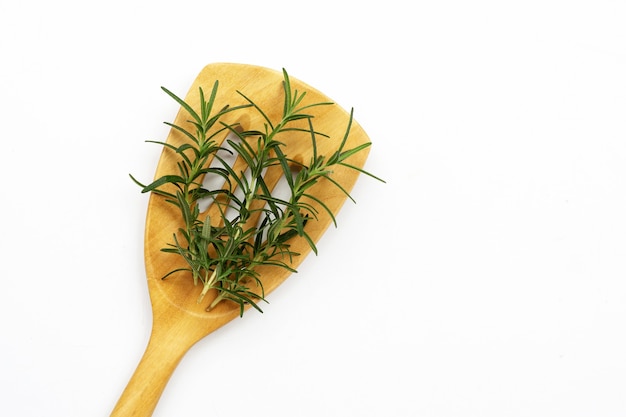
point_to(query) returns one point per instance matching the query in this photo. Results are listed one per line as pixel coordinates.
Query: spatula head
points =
(178, 294)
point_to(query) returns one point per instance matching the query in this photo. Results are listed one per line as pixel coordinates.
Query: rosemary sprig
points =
(223, 255)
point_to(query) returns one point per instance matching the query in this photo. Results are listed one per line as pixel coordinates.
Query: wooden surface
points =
(178, 320)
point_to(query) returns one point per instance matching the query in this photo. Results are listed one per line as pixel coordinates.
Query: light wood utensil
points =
(179, 321)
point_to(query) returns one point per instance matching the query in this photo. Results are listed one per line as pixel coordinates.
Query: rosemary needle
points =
(225, 257)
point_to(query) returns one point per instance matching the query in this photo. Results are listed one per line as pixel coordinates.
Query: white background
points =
(487, 277)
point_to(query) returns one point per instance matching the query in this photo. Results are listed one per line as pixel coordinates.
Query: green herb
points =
(223, 255)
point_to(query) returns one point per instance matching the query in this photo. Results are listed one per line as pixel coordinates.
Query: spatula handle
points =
(141, 395)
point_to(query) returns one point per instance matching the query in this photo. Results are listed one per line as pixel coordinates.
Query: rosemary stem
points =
(216, 301)
(208, 284)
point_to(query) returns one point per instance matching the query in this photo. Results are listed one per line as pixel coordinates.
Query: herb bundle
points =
(222, 253)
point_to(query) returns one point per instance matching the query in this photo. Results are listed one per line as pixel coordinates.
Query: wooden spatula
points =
(179, 321)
